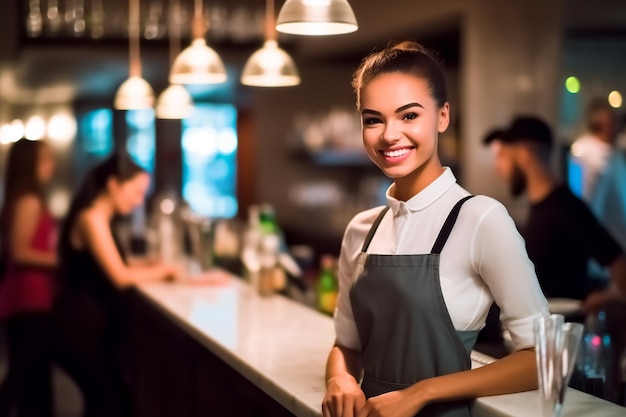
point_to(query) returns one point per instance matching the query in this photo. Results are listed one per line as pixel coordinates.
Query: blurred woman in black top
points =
(93, 273)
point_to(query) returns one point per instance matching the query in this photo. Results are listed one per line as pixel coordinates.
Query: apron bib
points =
(403, 323)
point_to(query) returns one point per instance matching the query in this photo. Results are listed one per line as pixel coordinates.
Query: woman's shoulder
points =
(28, 201)
(360, 224)
(481, 207)
(365, 219)
(481, 202)
(91, 220)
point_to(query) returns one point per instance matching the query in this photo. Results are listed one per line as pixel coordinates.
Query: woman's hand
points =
(344, 397)
(173, 273)
(392, 404)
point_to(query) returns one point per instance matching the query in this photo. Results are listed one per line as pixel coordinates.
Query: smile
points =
(397, 155)
(396, 152)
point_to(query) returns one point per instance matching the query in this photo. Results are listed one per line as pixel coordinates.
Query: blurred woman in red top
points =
(27, 260)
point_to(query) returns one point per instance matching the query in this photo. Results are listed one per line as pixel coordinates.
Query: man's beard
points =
(517, 182)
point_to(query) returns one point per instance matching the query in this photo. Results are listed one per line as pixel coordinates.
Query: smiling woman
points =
(417, 278)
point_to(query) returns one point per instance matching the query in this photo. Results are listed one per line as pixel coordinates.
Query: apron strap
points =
(448, 225)
(370, 234)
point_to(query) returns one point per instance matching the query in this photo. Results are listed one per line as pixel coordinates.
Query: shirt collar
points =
(424, 198)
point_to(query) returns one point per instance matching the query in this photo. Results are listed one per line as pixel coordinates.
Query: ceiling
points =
(57, 62)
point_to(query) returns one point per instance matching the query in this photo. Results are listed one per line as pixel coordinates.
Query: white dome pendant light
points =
(316, 17)
(135, 93)
(270, 66)
(198, 64)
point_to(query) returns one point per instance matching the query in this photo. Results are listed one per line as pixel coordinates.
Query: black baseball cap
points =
(523, 128)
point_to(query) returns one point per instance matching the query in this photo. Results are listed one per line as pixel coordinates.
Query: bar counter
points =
(236, 353)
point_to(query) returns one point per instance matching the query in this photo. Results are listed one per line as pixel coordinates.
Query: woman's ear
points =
(443, 118)
(112, 185)
(524, 154)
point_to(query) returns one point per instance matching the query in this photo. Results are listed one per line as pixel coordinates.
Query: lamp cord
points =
(174, 29)
(199, 25)
(133, 39)
(270, 21)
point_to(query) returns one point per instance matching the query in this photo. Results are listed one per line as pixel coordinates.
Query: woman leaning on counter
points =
(93, 271)
(417, 278)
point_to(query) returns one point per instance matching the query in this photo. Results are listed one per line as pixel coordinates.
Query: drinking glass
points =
(556, 347)
(572, 336)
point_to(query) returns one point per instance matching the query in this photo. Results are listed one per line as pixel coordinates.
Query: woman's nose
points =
(391, 134)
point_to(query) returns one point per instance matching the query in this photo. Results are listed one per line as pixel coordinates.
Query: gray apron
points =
(405, 330)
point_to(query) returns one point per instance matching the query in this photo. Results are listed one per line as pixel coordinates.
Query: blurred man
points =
(561, 233)
(592, 151)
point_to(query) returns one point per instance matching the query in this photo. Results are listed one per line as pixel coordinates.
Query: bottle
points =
(327, 287)
(252, 246)
(597, 354)
(272, 277)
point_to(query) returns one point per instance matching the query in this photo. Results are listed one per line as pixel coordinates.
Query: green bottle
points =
(327, 287)
(267, 220)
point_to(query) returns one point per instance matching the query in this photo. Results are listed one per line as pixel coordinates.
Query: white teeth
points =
(396, 153)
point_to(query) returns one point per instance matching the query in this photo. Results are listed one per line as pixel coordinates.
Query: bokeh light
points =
(615, 99)
(572, 84)
(62, 127)
(35, 128)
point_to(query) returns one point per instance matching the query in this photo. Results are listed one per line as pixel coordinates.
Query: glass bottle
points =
(327, 287)
(597, 355)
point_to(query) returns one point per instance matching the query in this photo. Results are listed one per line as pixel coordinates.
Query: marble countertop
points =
(281, 347)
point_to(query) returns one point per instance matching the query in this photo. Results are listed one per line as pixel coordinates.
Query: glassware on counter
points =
(264, 253)
(596, 356)
(556, 349)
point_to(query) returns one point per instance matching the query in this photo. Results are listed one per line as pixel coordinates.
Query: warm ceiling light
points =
(135, 93)
(35, 128)
(62, 127)
(174, 103)
(198, 64)
(270, 66)
(316, 17)
(615, 99)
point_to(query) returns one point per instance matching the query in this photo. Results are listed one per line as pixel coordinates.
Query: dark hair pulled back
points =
(406, 57)
(119, 166)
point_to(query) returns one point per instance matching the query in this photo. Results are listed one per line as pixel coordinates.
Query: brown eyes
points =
(376, 120)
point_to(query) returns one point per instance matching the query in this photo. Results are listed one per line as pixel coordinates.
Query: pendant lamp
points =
(198, 64)
(135, 93)
(316, 17)
(270, 66)
(175, 102)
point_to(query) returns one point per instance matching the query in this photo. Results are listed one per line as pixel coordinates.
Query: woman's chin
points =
(395, 172)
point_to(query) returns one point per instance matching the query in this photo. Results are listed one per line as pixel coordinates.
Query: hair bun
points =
(415, 47)
(409, 46)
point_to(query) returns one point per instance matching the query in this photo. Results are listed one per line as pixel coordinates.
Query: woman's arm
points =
(344, 397)
(514, 373)
(96, 233)
(25, 218)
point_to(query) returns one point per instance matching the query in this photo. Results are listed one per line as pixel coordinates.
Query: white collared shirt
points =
(483, 260)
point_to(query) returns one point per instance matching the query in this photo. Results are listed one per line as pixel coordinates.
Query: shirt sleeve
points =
(583, 226)
(500, 258)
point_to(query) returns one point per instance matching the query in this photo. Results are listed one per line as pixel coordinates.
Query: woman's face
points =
(130, 194)
(46, 164)
(401, 123)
